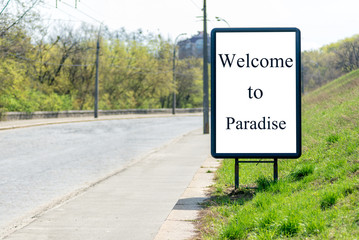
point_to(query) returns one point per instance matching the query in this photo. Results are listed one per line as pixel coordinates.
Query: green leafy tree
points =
(189, 83)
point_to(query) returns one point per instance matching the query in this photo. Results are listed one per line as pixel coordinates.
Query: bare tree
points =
(15, 12)
(348, 55)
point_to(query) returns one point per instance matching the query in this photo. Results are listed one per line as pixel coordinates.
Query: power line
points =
(92, 10)
(5, 7)
(63, 20)
(20, 18)
(68, 14)
(195, 4)
(75, 3)
(84, 13)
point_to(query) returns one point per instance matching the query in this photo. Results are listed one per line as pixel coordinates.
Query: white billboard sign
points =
(255, 91)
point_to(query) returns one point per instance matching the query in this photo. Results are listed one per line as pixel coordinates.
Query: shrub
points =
(301, 172)
(332, 138)
(289, 226)
(328, 200)
(263, 183)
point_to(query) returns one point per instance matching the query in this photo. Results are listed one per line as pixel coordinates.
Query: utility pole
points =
(97, 72)
(205, 72)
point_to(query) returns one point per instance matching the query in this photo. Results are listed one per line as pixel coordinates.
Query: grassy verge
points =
(316, 196)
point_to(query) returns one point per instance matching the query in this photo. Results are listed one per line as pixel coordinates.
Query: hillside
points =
(316, 196)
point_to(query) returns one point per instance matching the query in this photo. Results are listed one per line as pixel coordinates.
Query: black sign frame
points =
(298, 152)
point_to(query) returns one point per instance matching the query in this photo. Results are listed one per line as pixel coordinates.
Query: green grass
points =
(316, 196)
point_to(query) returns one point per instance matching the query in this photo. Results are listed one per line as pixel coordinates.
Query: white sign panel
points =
(256, 93)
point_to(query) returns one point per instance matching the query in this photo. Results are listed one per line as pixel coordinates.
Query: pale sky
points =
(320, 21)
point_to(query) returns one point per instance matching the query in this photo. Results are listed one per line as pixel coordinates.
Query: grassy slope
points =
(317, 195)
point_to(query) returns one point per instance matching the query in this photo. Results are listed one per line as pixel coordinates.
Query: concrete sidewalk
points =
(160, 190)
(179, 224)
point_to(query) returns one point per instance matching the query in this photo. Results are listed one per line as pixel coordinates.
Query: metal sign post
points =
(255, 94)
(236, 169)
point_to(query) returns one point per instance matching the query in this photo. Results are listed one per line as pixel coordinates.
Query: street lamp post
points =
(205, 73)
(97, 73)
(219, 19)
(174, 74)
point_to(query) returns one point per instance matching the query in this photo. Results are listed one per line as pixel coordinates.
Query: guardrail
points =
(11, 116)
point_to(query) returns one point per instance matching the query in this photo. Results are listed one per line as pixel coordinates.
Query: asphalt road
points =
(39, 165)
